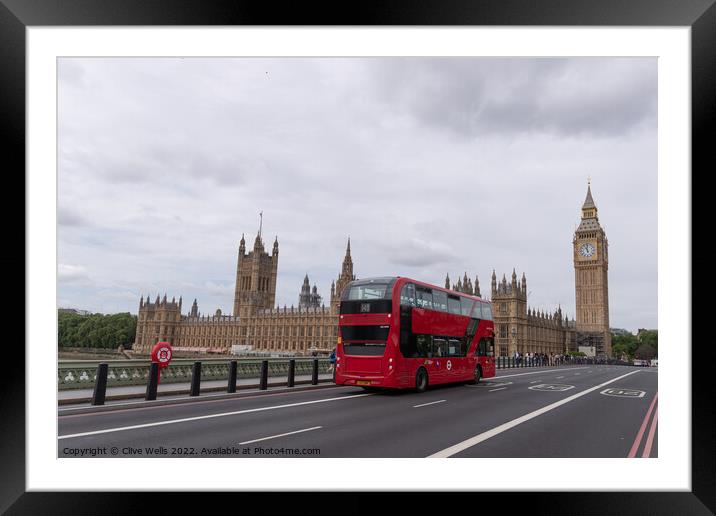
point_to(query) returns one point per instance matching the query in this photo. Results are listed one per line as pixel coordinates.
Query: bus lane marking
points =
(650, 438)
(551, 387)
(624, 393)
(640, 434)
(469, 443)
(207, 416)
(426, 404)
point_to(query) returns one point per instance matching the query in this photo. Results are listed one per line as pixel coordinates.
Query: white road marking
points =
(203, 397)
(535, 381)
(560, 377)
(468, 443)
(493, 390)
(426, 404)
(208, 416)
(282, 435)
(533, 372)
(577, 374)
(551, 387)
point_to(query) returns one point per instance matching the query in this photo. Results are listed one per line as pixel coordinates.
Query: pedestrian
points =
(332, 360)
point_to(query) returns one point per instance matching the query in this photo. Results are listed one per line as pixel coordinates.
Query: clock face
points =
(587, 250)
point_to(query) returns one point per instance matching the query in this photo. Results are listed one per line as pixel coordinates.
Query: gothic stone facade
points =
(520, 328)
(256, 322)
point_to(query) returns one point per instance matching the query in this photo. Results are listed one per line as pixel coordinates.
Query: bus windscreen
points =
(368, 292)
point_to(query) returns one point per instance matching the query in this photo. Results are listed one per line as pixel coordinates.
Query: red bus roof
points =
(403, 280)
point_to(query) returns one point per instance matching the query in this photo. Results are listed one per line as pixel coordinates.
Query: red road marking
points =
(650, 439)
(637, 441)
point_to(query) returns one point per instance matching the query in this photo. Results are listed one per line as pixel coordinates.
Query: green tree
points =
(624, 343)
(96, 330)
(650, 337)
(645, 352)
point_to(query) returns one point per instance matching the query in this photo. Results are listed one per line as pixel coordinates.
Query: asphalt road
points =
(569, 411)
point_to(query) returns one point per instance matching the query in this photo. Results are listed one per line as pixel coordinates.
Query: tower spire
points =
(588, 201)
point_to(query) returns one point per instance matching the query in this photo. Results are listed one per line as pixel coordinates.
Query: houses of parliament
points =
(259, 325)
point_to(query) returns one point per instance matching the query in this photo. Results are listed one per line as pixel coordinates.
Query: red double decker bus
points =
(401, 333)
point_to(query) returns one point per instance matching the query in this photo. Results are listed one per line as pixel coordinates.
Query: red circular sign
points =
(162, 353)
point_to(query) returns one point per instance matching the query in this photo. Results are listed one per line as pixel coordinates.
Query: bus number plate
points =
(362, 382)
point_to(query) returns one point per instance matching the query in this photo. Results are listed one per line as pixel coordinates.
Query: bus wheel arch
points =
(421, 379)
(477, 375)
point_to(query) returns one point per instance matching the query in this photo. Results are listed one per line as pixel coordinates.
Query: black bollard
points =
(291, 372)
(195, 379)
(314, 379)
(152, 382)
(264, 375)
(100, 385)
(232, 377)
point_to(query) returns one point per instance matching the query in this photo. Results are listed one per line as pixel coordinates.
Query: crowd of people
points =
(542, 359)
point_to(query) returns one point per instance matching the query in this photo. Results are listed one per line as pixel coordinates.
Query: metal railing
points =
(514, 362)
(101, 377)
(83, 373)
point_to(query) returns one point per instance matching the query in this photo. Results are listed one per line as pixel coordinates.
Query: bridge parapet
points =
(82, 373)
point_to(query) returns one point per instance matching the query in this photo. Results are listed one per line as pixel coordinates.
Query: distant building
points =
(621, 331)
(256, 324)
(74, 311)
(523, 329)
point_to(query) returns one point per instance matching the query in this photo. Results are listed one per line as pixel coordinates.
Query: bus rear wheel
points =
(478, 375)
(421, 380)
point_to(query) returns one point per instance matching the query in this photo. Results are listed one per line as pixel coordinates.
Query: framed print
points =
(432, 250)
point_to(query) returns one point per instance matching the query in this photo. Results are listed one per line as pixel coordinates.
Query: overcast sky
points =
(430, 165)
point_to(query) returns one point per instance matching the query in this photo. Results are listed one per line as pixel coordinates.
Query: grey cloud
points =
(485, 97)
(419, 253)
(68, 217)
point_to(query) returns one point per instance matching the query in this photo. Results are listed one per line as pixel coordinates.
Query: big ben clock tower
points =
(591, 262)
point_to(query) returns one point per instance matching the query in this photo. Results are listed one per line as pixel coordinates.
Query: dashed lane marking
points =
(282, 435)
(426, 404)
(534, 372)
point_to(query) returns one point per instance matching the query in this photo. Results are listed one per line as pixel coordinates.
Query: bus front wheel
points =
(478, 375)
(421, 380)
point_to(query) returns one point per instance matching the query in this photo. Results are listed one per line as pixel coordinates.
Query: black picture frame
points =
(16, 15)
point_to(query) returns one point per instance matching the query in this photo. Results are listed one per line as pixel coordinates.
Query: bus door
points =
(458, 363)
(438, 364)
(486, 356)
